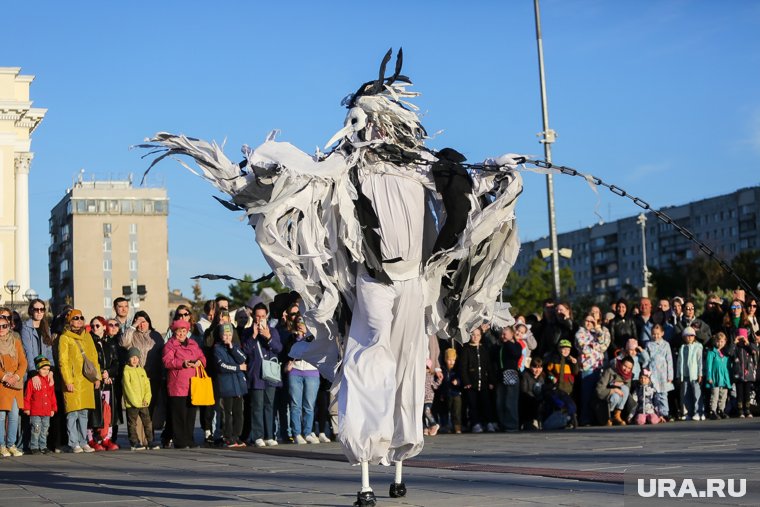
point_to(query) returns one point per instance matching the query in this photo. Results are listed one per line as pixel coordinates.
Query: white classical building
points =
(18, 119)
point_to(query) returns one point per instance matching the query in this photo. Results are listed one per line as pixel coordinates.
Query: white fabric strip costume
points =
(307, 212)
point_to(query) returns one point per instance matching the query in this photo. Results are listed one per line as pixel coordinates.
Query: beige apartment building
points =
(109, 239)
(18, 119)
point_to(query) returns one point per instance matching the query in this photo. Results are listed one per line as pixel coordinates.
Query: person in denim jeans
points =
(303, 385)
(261, 337)
(12, 370)
(78, 391)
(40, 405)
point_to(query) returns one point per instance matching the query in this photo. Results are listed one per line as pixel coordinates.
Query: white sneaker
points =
(15, 452)
(695, 417)
(491, 428)
(4, 452)
(271, 442)
(77, 450)
(312, 438)
(477, 428)
(260, 442)
(702, 417)
(87, 448)
(300, 439)
(323, 438)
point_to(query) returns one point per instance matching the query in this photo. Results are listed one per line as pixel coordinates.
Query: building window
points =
(107, 230)
(107, 303)
(133, 228)
(107, 264)
(133, 246)
(133, 264)
(113, 206)
(107, 283)
(107, 245)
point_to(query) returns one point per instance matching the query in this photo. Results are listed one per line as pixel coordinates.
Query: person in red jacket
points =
(40, 405)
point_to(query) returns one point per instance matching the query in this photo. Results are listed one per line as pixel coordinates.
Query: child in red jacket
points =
(40, 405)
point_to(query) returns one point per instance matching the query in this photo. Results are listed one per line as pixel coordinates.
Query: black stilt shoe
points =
(365, 499)
(398, 490)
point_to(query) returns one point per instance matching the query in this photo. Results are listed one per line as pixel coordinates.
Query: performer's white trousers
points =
(382, 384)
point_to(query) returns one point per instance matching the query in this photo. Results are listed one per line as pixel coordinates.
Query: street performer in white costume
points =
(387, 242)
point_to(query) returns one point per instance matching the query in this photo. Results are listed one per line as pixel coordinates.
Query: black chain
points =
(686, 233)
(646, 206)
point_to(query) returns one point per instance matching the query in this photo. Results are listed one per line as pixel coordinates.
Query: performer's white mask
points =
(356, 122)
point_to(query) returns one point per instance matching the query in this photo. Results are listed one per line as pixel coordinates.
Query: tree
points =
(526, 293)
(198, 300)
(747, 265)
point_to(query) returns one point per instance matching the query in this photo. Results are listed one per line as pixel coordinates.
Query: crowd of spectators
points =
(67, 384)
(629, 363)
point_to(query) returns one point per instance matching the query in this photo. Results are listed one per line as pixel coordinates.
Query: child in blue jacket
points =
(230, 365)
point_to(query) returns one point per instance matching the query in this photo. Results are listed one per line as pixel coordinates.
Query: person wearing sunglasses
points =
(113, 334)
(100, 428)
(36, 337)
(12, 370)
(185, 313)
(78, 391)
(752, 315)
(37, 340)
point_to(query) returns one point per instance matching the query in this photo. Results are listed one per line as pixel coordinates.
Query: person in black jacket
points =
(506, 359)
(533, 392)
(622, 328)
(100, 432)
(478, 382)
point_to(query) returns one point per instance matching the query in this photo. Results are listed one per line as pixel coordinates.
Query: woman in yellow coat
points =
(12, 370)
(78, 391)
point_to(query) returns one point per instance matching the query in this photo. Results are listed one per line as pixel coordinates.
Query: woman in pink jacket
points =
(181, 356)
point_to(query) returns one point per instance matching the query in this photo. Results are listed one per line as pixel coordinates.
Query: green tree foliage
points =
(704, 274)
(526, 293)
(198, 300)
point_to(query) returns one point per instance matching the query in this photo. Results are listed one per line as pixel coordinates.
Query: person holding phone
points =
(261, 342)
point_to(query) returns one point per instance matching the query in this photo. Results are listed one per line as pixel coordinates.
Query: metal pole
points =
(642, 221)
(549, 136)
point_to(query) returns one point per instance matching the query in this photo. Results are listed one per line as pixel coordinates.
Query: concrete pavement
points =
(585, 467)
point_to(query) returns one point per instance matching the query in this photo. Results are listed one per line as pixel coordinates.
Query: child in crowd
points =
(689, 372)
(137, 397)
(40, 406)
(717, 377)
(431, 384)
(231, 383)
(451, 390)
(533, 390)
(646, 412)
(561, 369)
(661, 368)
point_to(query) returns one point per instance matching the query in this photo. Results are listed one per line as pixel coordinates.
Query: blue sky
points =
(660, 97)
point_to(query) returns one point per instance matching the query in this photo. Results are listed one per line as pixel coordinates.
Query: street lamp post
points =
(642, 221)
(12, 288)
(30, 295)
(549, 136)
